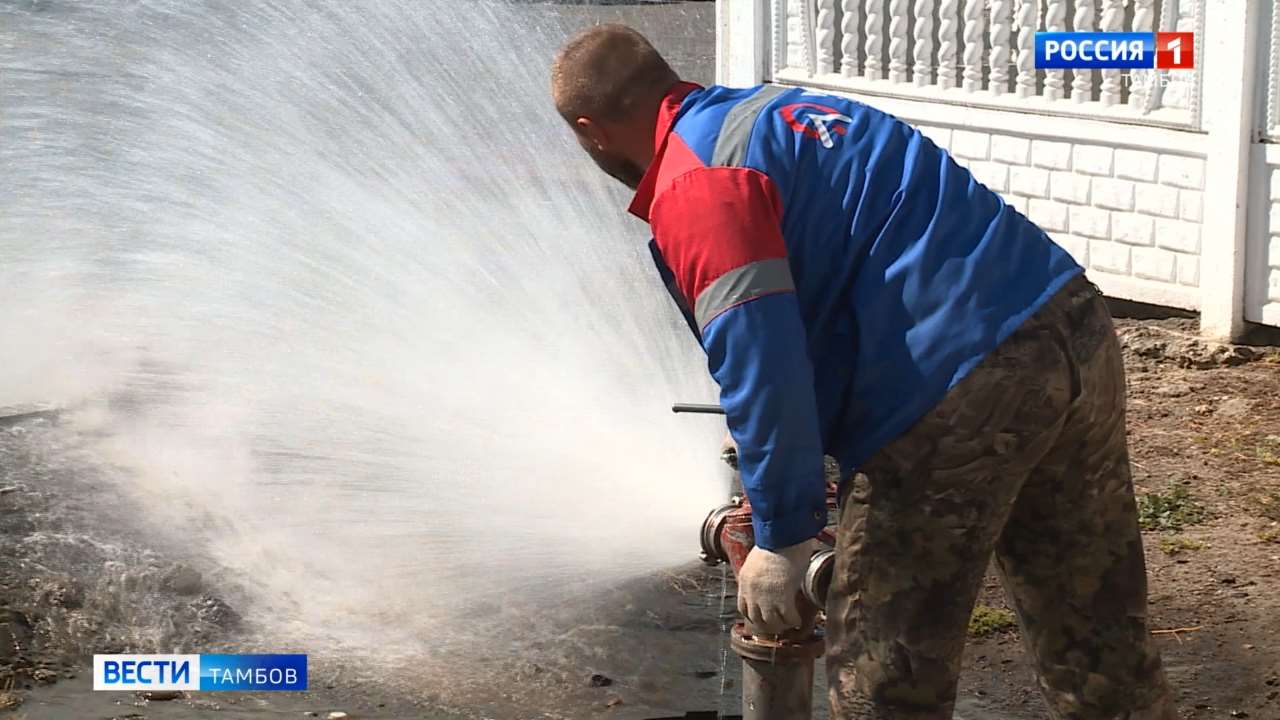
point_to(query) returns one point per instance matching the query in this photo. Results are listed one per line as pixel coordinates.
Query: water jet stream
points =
(332, 290)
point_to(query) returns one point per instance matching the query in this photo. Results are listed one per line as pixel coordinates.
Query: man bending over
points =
(859, 294)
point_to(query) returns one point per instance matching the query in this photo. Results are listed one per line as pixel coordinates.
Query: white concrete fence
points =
(1165, 186)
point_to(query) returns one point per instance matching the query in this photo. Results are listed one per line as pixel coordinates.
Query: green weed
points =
(987, 620)
(1173, 546)
(1169, 511)
(1268, 505)
(1268, 451)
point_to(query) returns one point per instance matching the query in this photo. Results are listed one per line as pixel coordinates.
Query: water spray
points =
(777, 670)
(247, 244)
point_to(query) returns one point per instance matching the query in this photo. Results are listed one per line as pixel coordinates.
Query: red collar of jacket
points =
(667, 112)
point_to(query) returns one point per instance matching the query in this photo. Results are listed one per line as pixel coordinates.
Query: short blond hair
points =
(607, 72)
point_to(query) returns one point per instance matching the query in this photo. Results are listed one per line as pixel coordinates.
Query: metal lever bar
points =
(697, 408)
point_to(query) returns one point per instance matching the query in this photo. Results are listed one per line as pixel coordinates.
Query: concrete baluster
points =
(1144, 93)
(898, 22)
(1001, 31)
(874, 69)
(1082, 85)
(1055, 20)
(1026, 19)
(947, 19)
(826, 37)
(923, 33)
(974, 22)
(1112, 21)
(850, 34)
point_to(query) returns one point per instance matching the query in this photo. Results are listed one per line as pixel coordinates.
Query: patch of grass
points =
(1173, 510)
(1173, 546)
(1270, 534)
(1268, 451)
(1268, 505)
(987, 620)
(9, 699)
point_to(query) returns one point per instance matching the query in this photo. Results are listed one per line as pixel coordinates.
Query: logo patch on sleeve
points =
(820, 122)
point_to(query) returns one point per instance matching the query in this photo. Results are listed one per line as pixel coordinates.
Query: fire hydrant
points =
(777, 670)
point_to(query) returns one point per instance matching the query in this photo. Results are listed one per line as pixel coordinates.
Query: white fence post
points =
(1027, 18)
(1143, 93)
(742, 60)
(1001, 37)
(898, 40)
(923, 26)
(1055, 20)
(973, 31)
(948, 12)
(850, 36)
(1082, 85)
(1112, 21)
(1230, 49)
(825, 36)
(874, 39)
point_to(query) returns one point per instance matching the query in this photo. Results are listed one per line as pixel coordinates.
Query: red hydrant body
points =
(777, 670)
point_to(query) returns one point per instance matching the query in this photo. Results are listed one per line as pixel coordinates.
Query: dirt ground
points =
(1204, 434)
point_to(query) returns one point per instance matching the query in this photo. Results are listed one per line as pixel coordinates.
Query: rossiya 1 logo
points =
(816, 121)
(1116, 50)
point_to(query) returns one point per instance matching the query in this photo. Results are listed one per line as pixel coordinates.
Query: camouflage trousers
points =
(1026, 459)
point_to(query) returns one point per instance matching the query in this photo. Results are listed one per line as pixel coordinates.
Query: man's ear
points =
(592, 131)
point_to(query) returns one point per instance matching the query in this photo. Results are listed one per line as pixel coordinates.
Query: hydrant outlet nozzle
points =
(713, 552)
(817, 577)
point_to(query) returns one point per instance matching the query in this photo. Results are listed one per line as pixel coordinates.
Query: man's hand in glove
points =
(768, 584)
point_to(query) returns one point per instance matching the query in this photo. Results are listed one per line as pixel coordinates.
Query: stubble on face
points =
(615, 166)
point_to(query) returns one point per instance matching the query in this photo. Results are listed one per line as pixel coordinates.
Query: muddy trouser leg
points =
(919, 523)
(1071, 553)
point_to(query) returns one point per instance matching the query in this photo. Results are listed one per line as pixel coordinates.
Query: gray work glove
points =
(768, 584)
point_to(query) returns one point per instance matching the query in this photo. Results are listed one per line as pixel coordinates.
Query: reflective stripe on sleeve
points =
(750, 281)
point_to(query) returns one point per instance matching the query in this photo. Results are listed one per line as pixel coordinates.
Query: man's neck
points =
(642, 137)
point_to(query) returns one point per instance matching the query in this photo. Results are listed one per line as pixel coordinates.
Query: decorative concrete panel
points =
(1141, 176)
(983, 51)
(1131, 216)
(1262, 264)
